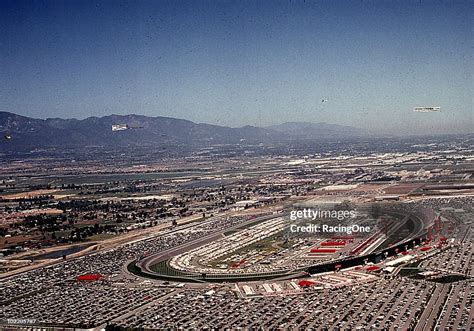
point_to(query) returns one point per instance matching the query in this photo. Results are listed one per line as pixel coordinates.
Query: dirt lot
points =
(30, 194)
(402, 188)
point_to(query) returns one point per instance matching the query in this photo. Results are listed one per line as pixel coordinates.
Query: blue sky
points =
(241, 63)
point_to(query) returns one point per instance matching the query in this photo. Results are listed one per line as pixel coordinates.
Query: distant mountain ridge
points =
(29, 133)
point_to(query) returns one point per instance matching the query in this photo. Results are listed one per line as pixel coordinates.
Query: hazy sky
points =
(242, 62)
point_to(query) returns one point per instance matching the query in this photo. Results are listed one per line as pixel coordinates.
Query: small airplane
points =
(122, 127)
(426, 109)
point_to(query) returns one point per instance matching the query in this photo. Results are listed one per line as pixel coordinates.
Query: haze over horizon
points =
(242, 63)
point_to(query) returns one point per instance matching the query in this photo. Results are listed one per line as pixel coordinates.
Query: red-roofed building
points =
(373, 268)
(306, 282)
(89, 277)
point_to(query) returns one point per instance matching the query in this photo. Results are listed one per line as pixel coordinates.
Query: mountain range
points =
(23, 133)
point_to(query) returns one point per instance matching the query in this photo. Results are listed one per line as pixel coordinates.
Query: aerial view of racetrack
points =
(236, 165)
